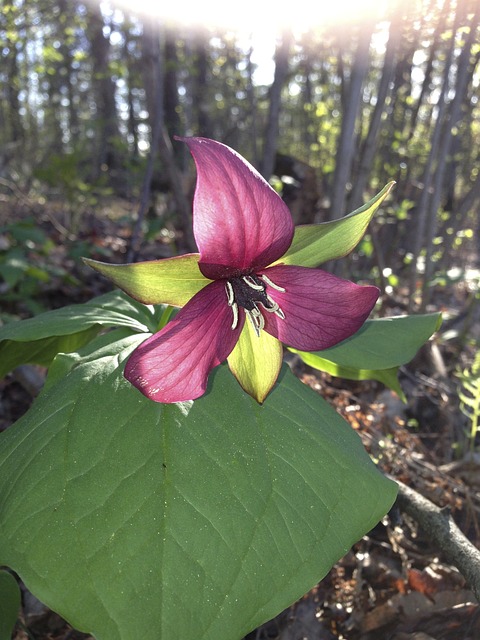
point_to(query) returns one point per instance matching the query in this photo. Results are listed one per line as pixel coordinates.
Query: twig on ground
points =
(441, 528)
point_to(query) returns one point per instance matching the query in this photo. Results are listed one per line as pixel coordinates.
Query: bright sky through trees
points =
(257, 23)
(259, 15)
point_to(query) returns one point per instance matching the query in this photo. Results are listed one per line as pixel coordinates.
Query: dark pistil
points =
(248, 292)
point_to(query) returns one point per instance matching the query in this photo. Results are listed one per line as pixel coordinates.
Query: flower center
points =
(248, 292)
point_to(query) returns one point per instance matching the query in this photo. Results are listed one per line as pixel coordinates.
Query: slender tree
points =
(252, 107)
(369, 146)
(67, 18)
(201, 77)
(452, 120)
(132, 121)
(346, 143)
(104, 90)
(422, 217)
(171, 101)
(161, 146)
(11, 83)
(282, 55)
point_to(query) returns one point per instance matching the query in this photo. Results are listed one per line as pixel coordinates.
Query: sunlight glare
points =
(257, 15)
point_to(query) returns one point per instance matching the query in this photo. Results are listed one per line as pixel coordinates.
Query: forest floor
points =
(394, 584)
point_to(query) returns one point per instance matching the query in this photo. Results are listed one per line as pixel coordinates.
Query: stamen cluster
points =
(248, 292)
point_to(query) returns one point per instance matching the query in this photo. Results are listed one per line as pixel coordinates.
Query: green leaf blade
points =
(41, 352)
(377, 350)
(9, 604)
(211, 516)
(37, 340)
(385, 342)
(388, 377)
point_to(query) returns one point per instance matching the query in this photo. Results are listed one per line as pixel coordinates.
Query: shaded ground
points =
(394, 584)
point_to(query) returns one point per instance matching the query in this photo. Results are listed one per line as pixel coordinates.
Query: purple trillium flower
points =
(251, 302)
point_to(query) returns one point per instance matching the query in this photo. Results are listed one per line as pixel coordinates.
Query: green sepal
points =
(171, 281)
(377, 350)
(314, 244)
(256, 361)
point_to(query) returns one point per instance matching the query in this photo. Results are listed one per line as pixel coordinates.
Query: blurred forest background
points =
(92, 95)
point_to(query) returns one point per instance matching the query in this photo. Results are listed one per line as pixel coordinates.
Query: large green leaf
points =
(39, 339)
(377, 350)
(194, 521)
(314, 244)
(9, 604)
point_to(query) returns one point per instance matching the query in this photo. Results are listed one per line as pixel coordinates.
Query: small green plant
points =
(63, 174)
(469, 394)
(26, 266)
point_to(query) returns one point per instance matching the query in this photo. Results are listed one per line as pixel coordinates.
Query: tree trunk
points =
(104, 91)
(429, 70)
(307, 134)
(172, 117)
(282, 55)
(130, 79)
(160, 144)
(468, 201)
(393, 150)
(423, 208)
(463, 65)
(11, 87)
(67, 12)
(200, 93)
(156, 114)
(150, 43)
(346, 144)
(369, 146)
(252, 108)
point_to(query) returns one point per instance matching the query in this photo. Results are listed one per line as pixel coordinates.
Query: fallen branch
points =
(441, 528)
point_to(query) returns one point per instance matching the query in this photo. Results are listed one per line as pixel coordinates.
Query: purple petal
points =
(173, 364)
(239, 221)
(320, 309)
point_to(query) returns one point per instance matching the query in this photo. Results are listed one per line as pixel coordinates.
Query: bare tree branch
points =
(439, 525)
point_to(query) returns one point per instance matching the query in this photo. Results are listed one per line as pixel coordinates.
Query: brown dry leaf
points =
(459, 622)
(399, 606)
(423, 581)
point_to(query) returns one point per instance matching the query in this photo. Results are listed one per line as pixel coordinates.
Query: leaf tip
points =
(94, 264)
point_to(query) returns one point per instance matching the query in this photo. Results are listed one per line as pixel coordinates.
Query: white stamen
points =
(257, 320)
(272, 284)
(230, 294)
(235, 315)
(274, 308)
(271, 309)
(252, 284)
(274, 304)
